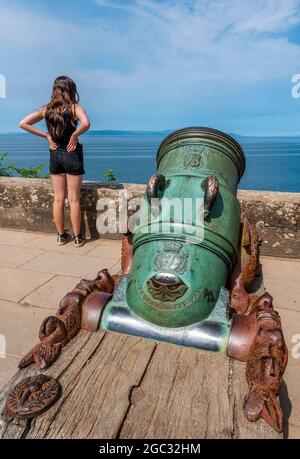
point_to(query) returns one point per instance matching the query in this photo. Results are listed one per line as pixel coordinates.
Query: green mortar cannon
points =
(188, 245)
(185, 244)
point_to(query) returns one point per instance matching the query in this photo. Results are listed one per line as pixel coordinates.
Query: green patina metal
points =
(185, 244)
(198, 253)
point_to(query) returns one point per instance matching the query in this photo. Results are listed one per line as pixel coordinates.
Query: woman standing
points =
(62, 115)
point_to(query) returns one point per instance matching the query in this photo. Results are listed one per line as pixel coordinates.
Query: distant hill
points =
(148, 133)
(238, 137)
(127, 133)
(119, 133)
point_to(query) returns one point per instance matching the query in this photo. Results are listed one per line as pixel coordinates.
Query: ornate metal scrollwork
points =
(127, 253)
(32, 396)
(56, 331)
(266, 364)
(156, 182)
(246, 268)
(210, 186)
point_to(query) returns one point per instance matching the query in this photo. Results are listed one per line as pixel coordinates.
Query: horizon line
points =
(140, 131)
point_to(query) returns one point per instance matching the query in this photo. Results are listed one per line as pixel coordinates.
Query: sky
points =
(156, 64)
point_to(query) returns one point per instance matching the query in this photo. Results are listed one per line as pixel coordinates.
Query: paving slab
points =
(15, 238)
(50, 294)
(16, 284)
(282, 281)
(291, 327)
(20, 325)
(113, 244)
(293, 432)
(70, 265)
(105, 252)
(285, 293)
(116, 268)
(278, 268)
(8, 368)
(47, 242)
(12, 257)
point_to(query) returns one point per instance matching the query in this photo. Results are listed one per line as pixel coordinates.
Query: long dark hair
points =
(64, 97)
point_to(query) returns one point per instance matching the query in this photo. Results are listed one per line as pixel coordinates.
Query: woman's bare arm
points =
(82, 128)
(27, 123)
(33, 118)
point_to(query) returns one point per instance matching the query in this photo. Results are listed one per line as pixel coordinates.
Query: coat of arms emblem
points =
(172, 258)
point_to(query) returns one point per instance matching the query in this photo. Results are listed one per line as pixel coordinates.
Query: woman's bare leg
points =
(59, 187)
(74, 185)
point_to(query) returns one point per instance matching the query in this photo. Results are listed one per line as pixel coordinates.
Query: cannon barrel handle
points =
(155, 182)
(210, 186)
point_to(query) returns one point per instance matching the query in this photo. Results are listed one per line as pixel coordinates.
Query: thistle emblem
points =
(171, 258)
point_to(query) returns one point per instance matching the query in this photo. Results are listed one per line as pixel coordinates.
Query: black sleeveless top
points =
(70, 128)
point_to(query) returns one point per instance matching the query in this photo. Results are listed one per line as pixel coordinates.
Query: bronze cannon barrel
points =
(186, 243)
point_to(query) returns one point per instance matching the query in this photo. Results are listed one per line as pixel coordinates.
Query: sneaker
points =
(79, 241)
(63, 238)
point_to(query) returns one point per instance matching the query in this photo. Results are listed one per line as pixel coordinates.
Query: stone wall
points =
(27, 204)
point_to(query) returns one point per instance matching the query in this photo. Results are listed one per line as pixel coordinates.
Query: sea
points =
(272, 163)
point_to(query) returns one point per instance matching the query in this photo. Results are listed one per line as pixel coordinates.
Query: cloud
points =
(131, 57)
(214, 16)
(208, 40)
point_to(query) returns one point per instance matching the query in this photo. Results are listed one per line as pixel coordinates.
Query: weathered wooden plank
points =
(191, 394)
(184, 394)
(97, 372)
(120, 386)
(12, 428)
(96, 388)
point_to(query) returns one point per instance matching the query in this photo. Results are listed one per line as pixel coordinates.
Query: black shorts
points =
(64, 162)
